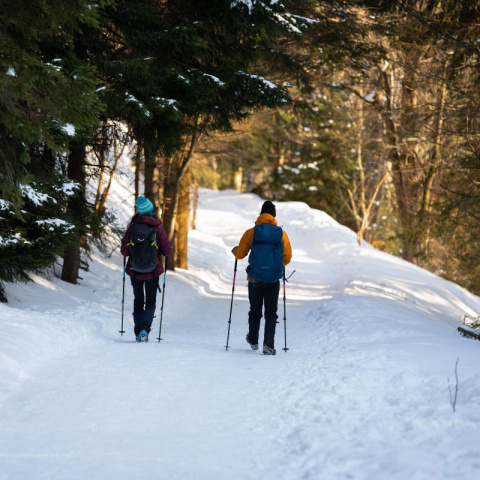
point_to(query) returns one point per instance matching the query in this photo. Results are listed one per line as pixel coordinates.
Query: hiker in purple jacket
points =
(143, 243)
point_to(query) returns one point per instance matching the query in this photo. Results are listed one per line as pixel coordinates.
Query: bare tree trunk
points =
(150, 166)
(353, 206)
(183, 222)
(435, 162)
(138, 166)
(167, 212)
(400, 182)
(176, 187)
(214, 163)
(152, 176)
(352, 193)
(409, 115)
(117, 153)
(238, 179)
(101, 157)
(157, 183)
(364, 222)
(98, 195)
(195, 202)
(366, 215)
(176, 170)
(76, 162)
(363, 200)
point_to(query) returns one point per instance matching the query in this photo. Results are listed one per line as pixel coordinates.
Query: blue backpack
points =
(265, 260)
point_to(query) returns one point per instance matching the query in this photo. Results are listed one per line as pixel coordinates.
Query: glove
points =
(233, 249)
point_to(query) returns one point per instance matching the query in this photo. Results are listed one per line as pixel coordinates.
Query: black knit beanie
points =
(269, 207)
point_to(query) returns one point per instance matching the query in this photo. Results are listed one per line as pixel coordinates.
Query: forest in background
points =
(387, 141)
(365, 109)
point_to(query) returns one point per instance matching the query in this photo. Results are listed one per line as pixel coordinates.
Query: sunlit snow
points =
(362, 393)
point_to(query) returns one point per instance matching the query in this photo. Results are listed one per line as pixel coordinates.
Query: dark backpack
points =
(265, 261)
(143, 248)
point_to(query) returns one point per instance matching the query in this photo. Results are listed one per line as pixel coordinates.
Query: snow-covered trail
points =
(361, 394)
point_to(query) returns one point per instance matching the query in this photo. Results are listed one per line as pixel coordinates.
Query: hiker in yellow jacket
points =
(270, 251)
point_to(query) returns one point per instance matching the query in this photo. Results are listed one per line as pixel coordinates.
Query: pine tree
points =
(192, 68)
(33, 240)
(47, 95)
(44, 91)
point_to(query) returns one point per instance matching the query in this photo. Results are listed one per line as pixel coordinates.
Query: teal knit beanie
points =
(144, 205)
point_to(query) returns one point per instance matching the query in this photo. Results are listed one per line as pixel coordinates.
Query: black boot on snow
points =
(254, 346)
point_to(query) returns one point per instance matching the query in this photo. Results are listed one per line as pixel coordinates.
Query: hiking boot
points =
(268, 350)
(254, 346)
(142, 336)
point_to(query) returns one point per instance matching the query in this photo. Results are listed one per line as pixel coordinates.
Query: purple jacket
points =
(164, 248)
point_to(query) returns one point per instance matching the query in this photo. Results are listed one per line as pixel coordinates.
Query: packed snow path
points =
(361, 394)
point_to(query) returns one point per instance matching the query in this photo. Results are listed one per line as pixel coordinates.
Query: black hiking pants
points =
(145, 293)
(263, 294)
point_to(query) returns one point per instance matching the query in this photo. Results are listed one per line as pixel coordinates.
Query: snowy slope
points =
(361, 394)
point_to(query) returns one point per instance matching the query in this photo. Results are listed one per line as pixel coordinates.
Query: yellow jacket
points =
(247, 238)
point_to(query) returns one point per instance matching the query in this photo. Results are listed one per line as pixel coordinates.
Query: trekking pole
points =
(122, 331)
(231, 304)
(163, 297)
(284, 312)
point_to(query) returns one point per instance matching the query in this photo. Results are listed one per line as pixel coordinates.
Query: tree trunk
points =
(238, 179)
(102, 152)
(3, 297)
(169, 181)
(195, 202)
(138, 166)
(98, 195)
(365, 208)
(435, 163)
(361, 171)
(76, 206)
(398, 177)
(158, 183)
(100, 208)
(183, 222)
(214, 165)
(71, 264)
(151, 186)
(177, 167)
(409, 114)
